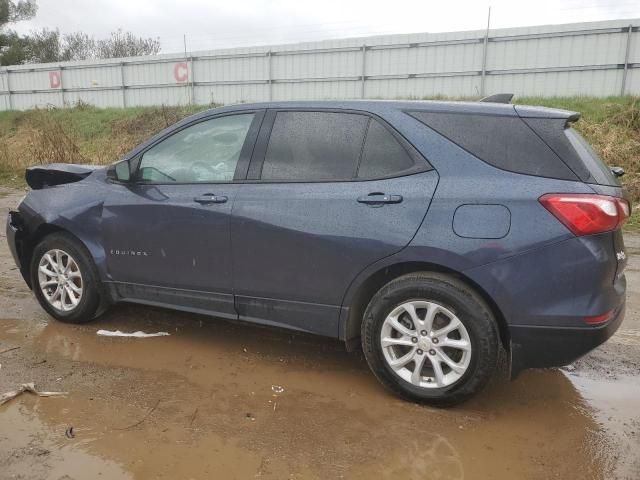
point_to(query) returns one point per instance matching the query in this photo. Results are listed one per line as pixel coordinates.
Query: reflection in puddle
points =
(430, 457)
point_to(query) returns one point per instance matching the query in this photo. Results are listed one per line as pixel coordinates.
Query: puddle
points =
(200, 403)
(615, 406)
(32, 448)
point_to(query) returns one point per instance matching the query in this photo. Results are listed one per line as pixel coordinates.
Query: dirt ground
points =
(223, 400)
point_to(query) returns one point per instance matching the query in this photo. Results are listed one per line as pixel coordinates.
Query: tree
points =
(13, 48)
(43, 46)
(11, 12)
(77, 46)
(125, 44)
(47, 46)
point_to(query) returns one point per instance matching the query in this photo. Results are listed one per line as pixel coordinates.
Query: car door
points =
(166, 233)
(328, 193)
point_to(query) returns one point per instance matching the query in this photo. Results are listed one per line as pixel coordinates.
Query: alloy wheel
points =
(60, 280)
(425, 344)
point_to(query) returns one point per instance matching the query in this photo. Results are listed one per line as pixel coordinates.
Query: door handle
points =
(209, 198)
(378, 199)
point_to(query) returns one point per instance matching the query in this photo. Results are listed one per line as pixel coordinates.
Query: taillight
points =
(587, 214)
(599, 319)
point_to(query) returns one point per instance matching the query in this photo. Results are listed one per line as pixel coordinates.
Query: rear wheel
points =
(429, 338)
(64, 279)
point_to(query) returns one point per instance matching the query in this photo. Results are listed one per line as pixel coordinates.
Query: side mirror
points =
(120, 172)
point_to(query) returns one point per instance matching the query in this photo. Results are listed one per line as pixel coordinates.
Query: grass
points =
(82, 134)
(86, 134)
(633, 225)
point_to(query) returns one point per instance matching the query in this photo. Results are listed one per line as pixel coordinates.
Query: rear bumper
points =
(545, 294)
(542, 347)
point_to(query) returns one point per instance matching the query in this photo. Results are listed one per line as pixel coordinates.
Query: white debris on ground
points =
(138, 334)
(27, 387)
(277, 389)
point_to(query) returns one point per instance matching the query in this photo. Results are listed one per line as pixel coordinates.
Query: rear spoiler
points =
(525, 111)
(498, 98)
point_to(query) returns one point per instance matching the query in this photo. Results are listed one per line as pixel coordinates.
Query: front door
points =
(166, 234)
(332, 192)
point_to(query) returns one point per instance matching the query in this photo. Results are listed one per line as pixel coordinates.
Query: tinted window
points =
(551, 130)
(502, 141)
(382, 155)
(569, 145)
(600, 172)
(314, 146)
(205, 152)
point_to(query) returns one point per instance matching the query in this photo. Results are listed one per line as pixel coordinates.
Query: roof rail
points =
(498, 98)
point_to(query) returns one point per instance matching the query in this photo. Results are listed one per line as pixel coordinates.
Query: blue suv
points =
(433, 234)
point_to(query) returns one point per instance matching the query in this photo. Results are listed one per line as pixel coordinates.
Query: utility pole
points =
(626, 60)
(189, 69)
(484, 55)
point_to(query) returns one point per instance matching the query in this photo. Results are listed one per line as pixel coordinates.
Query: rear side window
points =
(502, 141)
(596, 167)
(569, 145)
(314, 146)
(382, 155)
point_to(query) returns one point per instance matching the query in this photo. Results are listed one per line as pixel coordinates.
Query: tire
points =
(448, 299)
(89, 302)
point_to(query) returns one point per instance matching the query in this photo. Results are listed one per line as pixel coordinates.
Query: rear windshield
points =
(599, 171)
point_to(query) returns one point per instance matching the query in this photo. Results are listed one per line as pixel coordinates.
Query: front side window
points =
(205, 152)
(312, 146)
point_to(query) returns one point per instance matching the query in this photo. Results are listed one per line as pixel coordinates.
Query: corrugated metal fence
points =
(596, 59)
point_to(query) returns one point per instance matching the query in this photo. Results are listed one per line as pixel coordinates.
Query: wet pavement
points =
(228, 400)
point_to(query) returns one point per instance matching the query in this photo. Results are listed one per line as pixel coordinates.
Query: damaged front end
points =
(43, 176)
(23, 222)
(16, 238)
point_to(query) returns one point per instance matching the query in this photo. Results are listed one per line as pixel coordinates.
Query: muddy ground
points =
(206, 402)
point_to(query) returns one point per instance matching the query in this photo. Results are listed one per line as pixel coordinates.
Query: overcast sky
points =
(226, 23)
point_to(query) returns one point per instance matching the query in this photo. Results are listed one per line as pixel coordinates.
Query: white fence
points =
(595, 59)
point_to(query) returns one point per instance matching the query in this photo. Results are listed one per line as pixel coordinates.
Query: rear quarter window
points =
(505, 142)
(569, 145)
(383, 155)
(599, 171)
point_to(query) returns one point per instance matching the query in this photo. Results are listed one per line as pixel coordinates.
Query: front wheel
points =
(429, 338)
(64, 279)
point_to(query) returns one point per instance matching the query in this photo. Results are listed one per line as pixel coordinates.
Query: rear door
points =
(328, 193)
